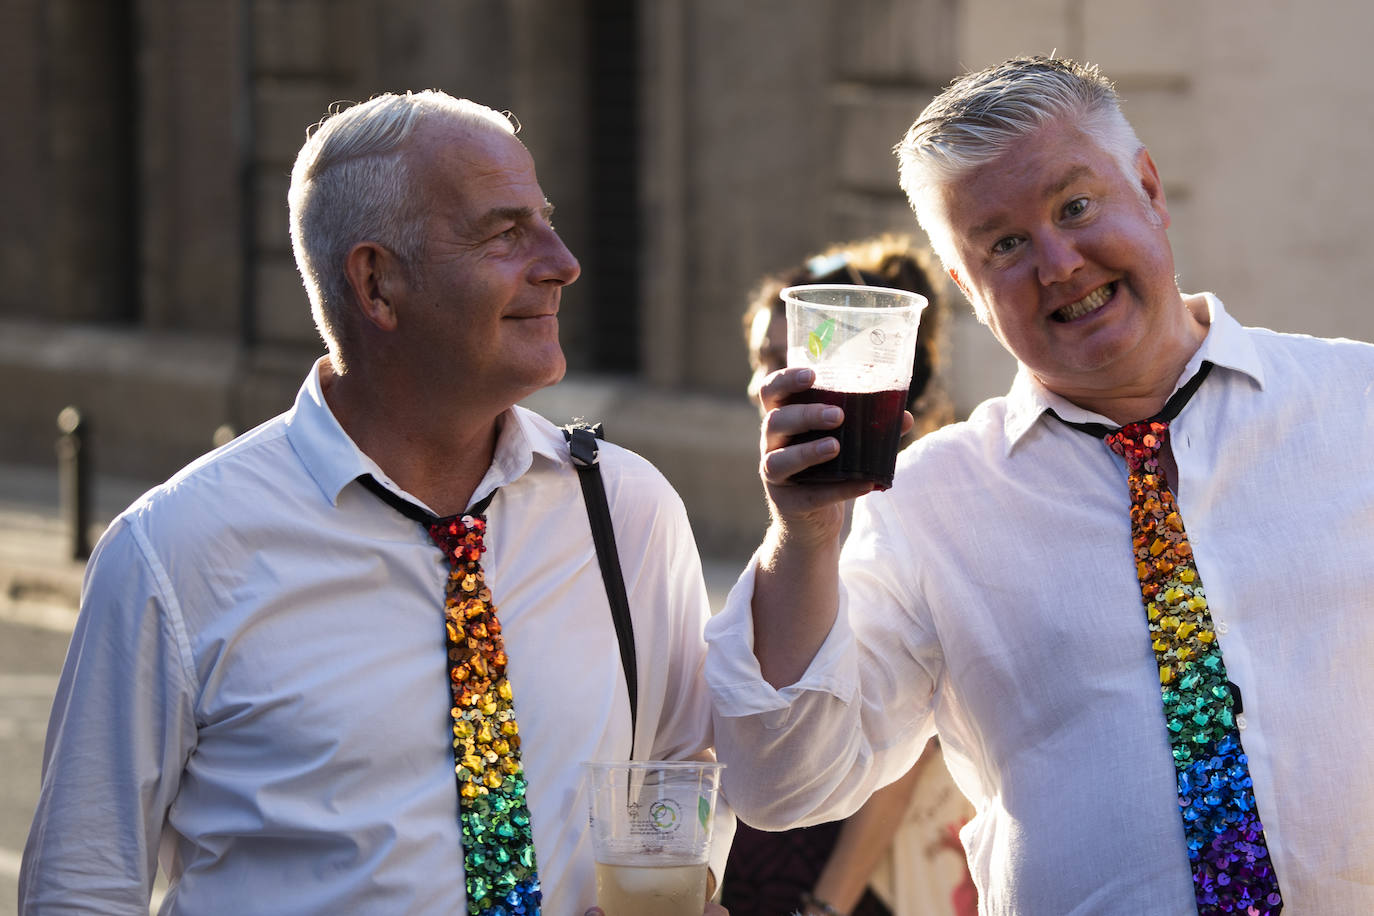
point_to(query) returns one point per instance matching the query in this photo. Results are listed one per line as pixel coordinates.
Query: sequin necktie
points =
(498, 842)
(1232, 872)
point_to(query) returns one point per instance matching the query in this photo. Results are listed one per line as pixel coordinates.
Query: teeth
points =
(1089, 303)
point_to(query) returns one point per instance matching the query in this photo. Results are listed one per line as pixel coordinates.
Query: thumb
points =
(595, 911)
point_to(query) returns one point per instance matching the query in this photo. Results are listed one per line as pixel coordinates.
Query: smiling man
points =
(1134, 596)
(350, 662)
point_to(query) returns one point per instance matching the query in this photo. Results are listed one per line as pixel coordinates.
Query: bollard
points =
(223, 435)
(74, 484)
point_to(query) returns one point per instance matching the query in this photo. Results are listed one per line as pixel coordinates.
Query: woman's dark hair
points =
(892, 261)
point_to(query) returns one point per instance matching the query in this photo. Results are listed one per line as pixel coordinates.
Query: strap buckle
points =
(582, 437)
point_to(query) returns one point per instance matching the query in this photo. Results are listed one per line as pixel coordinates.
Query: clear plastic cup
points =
(861, 343)
(651, 823)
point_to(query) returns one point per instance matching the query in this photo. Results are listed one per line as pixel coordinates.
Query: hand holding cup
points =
(860, 342)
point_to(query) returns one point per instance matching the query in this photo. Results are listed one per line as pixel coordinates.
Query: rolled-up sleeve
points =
(856, 720)
(732, 671)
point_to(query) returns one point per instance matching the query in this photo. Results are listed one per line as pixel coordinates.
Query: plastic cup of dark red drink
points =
(860, 341)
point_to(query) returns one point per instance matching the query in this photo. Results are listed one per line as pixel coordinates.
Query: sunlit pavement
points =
(39, 588)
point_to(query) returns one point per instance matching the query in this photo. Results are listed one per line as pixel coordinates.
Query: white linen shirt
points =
(991, 595)
(258, 680)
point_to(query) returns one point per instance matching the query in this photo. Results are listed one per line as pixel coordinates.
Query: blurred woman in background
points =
(899, 854)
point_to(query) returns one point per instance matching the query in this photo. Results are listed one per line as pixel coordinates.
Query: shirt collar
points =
(334, 460)
(1226, 345)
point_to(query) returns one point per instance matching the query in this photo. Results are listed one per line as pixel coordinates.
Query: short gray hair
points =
(982, 115)
(351, 183)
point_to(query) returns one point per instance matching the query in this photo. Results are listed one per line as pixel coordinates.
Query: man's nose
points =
(1057, 257)
(558, 265)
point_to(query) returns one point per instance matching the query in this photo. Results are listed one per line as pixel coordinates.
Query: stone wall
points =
(148, 276)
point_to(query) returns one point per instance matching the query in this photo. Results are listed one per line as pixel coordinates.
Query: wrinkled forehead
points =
(1036, 172)
(465, 146)
(477, 168)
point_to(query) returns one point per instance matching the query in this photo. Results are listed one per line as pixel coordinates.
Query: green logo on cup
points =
(665, 814)
(819, 339)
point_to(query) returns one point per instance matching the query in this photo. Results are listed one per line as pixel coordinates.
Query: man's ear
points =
(954, 275)
(375, 279)
(1152, 186)
(978, 311)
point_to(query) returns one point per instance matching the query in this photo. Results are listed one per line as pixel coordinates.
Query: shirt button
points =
(1240, 722)
(1222, 628)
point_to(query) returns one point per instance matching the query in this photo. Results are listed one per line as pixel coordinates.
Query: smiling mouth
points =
(1085, 306)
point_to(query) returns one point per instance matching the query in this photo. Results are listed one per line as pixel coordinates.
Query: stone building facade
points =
(690, 146)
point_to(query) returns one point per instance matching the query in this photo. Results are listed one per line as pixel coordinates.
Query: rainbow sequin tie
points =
(498, 841)
(1232, 872)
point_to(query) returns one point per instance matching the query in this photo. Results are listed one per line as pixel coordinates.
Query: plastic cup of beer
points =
(651, 826)
(861, 342)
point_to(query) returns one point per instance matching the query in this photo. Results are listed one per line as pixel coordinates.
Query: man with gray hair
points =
(290, 683)
(1133, 741)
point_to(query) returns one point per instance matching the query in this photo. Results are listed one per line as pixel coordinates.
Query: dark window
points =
(614, 201)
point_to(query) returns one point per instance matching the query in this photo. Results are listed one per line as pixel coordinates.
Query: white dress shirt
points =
(991, 595)
(258, 680)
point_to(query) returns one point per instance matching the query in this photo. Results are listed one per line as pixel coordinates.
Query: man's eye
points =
(1076, 206)
(1002, 246)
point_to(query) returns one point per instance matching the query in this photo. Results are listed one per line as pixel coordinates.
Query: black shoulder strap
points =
(582, 438)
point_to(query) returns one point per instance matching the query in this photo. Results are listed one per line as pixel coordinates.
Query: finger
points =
(715, 909)
(783, 384)
(595, 911)
(783, 423)
(908, 422)
(779, 464)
